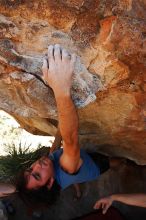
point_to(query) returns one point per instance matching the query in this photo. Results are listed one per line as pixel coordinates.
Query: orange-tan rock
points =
(109, 87)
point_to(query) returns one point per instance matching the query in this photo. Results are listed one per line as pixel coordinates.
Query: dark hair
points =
(33, 198)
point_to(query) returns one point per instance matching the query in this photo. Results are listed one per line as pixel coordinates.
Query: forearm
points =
(131, 199)
(59, 77)
(68, 119)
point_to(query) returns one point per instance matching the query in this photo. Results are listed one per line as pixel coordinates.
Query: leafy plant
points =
(17, 159)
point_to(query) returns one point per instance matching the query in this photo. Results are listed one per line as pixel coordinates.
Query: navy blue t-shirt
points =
(87, 172)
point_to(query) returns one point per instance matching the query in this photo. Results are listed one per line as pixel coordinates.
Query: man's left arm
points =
(129, 199)
(57, 141)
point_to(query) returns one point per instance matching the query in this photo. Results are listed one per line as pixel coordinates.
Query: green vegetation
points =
(18, 148)
(17, 159)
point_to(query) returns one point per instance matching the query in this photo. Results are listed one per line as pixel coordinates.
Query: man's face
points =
(39, 173)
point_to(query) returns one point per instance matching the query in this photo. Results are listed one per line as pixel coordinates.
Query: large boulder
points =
(109, 85)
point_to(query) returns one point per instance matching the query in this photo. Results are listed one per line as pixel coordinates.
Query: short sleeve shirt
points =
(87, 172)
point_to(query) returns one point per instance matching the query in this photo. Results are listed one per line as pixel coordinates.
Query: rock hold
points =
(84, 85)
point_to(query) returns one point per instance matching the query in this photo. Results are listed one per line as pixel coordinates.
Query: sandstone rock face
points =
(109, 85)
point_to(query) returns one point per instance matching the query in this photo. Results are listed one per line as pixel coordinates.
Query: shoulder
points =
(56, 154)
(70, 162)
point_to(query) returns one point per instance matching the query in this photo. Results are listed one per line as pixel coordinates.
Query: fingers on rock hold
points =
(57, 52)
(65, 54)
(51, 52)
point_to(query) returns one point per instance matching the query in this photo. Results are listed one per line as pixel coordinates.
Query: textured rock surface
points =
(66, 208)
(109, 38)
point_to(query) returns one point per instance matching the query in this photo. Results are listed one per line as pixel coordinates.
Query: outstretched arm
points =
(68, 120)
(58, 74)
(129, 199)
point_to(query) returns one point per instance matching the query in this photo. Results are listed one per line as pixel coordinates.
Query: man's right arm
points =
(59, 77)
(68, 121)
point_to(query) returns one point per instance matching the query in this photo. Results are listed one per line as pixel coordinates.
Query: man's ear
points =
(50, 183)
